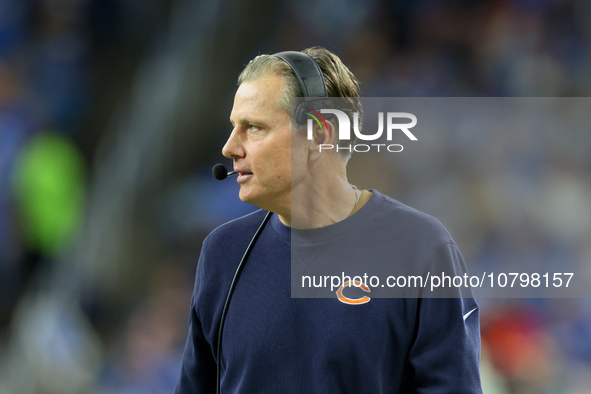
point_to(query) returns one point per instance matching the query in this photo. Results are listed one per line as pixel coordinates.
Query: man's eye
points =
(252, 128)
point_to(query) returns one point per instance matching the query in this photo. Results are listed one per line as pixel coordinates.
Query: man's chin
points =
(247, 197)
(254, 199)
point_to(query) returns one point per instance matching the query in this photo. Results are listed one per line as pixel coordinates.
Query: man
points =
(273, 343)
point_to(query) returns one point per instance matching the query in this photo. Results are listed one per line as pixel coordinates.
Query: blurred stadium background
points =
(113, 111)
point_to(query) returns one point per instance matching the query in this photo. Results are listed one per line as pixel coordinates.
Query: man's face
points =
(260, 144)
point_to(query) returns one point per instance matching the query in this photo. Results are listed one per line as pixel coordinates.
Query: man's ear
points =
(322, 140)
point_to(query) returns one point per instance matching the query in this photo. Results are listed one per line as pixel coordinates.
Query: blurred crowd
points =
(516, 197)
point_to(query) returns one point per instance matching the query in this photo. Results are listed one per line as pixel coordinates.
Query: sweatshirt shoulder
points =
(413, 223)
(234, 230)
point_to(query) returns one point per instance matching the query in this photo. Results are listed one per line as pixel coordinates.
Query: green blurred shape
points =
(48, 180)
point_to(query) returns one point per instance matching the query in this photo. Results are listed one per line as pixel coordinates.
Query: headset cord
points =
(230, 291)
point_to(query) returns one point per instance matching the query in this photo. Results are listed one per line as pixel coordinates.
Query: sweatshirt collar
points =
(334, 230)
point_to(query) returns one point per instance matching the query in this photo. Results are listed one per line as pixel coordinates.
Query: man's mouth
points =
(244, 176)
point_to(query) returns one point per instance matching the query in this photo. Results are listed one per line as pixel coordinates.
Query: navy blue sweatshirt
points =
(273, 343)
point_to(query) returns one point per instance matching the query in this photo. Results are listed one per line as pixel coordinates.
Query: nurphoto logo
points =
(345, 129)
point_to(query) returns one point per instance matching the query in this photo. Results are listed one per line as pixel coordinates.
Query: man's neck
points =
(321, 203)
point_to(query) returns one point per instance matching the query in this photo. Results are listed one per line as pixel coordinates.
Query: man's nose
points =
(233, 148)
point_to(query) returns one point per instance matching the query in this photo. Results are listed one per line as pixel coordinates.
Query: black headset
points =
(311, 81)
(315, 96)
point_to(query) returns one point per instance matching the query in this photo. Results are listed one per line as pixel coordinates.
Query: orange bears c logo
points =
(353, 301)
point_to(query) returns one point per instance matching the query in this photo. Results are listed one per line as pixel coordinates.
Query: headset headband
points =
(311, 81)
(307, 71)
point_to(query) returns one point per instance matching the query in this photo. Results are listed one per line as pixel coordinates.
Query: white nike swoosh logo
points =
(467, 314)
